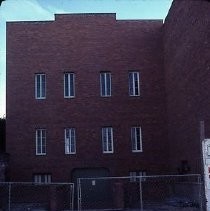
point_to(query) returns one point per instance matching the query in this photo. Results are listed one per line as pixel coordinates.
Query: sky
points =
(30, 10)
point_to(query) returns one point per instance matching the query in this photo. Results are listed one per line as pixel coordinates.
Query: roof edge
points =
(65, 15)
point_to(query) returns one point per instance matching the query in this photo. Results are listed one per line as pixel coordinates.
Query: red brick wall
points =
(86, 45)
(187, 65)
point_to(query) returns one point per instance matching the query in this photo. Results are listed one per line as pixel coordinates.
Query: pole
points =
(9, 205)
(140, 194)
(79, 193)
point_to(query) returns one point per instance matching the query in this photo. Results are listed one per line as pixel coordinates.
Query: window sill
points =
(41, 98)
(70, 97)
(134, 95)
(136, 151)
(111, 152)
(106, 96)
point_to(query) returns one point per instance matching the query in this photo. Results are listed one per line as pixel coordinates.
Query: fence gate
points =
(36, 196)
(164, 192)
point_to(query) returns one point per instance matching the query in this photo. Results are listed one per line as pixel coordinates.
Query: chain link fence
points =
(167, 192)
(36, 196)
(146, 193)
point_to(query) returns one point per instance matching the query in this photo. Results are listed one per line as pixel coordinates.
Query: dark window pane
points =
(136, 83)
(39, 146)
(66, 86)
(43, 84)
(38, 86)
(108, 81)
(104, 141)
(131, 84)
(133, 138)
(102, 84)
(71, 84)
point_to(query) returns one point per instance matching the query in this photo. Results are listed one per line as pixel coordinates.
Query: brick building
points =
(85, 95)
(94, 96)
(187, 79)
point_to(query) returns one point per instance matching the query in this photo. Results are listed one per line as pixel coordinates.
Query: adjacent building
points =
(85, 97)
(187, 79)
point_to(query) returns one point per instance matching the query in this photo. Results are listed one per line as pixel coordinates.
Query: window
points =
(134, 88)
(107, 140)
(70, 141)
(135, 174)
(40, 142)
(69, 90)
(42, 178)
(40, 86)
(105, 82)
(136, 139)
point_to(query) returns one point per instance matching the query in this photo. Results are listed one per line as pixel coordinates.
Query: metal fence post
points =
(9, 200)
(200, 192)
(79, 194)
(140, 194)
(71, 196)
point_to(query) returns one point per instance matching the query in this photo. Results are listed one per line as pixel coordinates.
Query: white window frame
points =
(134, 139)
(42, 178)
(42, 142)
(133, 84)
(107, 140)
(39, 93)
(69, 74)
(70, 141)
(107, 80)
(135, 174)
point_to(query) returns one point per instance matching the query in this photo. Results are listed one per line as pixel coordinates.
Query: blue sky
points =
(18, 10)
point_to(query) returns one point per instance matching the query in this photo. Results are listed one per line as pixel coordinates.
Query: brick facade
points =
(173, 62)
(85, 44)
(187, 64)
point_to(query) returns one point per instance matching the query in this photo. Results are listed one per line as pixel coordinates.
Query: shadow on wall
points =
(4, 159)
